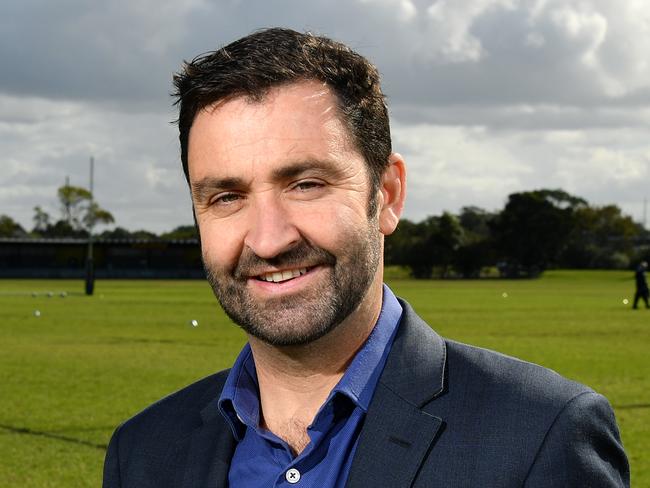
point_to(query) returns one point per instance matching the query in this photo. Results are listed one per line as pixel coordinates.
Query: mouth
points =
(284, 275)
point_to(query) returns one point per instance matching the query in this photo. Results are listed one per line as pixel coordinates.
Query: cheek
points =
(332, 224)
(219, 245)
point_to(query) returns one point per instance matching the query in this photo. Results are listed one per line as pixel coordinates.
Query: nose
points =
(272, 230)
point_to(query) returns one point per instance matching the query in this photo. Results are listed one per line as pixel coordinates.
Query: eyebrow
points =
(318, 166)
(205, 187)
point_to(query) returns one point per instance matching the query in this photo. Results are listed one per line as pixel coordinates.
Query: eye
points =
(225, 198)
(306, 185)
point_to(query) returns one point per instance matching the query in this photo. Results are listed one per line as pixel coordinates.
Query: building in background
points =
(114, 258)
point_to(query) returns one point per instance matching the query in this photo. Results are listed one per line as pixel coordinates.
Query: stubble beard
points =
(313, 312)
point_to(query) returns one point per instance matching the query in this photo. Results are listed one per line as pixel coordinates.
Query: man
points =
(641, 285)
(286, 146)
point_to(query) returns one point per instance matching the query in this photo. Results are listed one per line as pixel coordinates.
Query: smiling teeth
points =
(280, 276)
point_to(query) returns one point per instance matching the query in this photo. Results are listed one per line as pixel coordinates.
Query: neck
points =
(294, 381)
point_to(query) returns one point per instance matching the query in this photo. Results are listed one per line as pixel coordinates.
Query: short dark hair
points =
(268, 58)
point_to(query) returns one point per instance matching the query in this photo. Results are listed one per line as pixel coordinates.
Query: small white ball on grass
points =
(37, 313)
(504, 295)
(625, 301)
(194, 323)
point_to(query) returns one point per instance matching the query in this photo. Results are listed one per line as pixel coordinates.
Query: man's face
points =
(281, 199)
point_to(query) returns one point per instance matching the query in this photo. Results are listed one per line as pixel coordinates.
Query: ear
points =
(392, 194)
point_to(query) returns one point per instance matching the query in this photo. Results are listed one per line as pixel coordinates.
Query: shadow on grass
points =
(82, 429)
(49, 435)
(42, 294)
(142, 340)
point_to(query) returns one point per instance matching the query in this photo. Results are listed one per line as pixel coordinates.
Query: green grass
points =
(68, 377)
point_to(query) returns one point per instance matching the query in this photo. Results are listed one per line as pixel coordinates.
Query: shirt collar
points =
(359, 381)
(239, 400)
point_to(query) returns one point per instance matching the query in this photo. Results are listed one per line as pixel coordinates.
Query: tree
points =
(41, 220)
(406, 247)
(472, 256)
(144, 235)
(475, 222)
(533, 229)
(122, 233)
(424, 245)
(444, 240)
(62, 229)
(10, 228)
(418, 255)
(602, 237)
(181, 232)
(477, 248)
(74, 204)
(116, 233)
(80, 213)
(96, 215)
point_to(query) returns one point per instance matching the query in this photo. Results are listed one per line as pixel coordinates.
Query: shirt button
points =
(292, 475)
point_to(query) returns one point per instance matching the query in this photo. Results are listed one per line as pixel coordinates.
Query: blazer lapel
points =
(397, 434)
(209, 450)
(393, 443)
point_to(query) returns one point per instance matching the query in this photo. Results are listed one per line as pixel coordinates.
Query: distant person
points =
(641, 285)
(285, 143)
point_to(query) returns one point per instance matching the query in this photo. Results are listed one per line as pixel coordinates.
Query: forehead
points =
(294, 121)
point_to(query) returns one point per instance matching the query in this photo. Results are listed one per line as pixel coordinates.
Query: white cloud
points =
(594, 168)
(451, 167)
(487, 96)
(137, 170)
(406, 10)
(451, 23)
(623, 56)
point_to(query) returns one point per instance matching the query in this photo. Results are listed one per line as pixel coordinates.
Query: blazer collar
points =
(207, 451)
(415, 368)
(397, 434)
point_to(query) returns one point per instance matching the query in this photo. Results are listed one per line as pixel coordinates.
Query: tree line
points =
(535, 230)
(79, 214)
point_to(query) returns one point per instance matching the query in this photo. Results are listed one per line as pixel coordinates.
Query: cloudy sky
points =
(487, 97)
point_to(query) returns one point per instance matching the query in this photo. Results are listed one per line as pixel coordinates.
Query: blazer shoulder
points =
(144, 450)
(176, 414)
(423, 365)
(491, 419)
(521, 381)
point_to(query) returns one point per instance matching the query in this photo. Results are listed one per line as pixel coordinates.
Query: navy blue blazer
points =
(444, 414)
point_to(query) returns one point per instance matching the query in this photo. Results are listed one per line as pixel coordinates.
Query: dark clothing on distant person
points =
(641, 287)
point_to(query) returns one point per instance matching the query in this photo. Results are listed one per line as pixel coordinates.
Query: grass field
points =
(70, 375)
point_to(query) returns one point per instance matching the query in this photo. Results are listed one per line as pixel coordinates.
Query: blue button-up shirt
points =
(262, 459)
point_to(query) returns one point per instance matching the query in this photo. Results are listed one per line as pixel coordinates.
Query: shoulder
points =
(564, 432)
(508, 401)
(174, 416)
(462, 369)
(496, 408)
(483, 370)
(507, 397)
(145, 450)
(433, 367)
